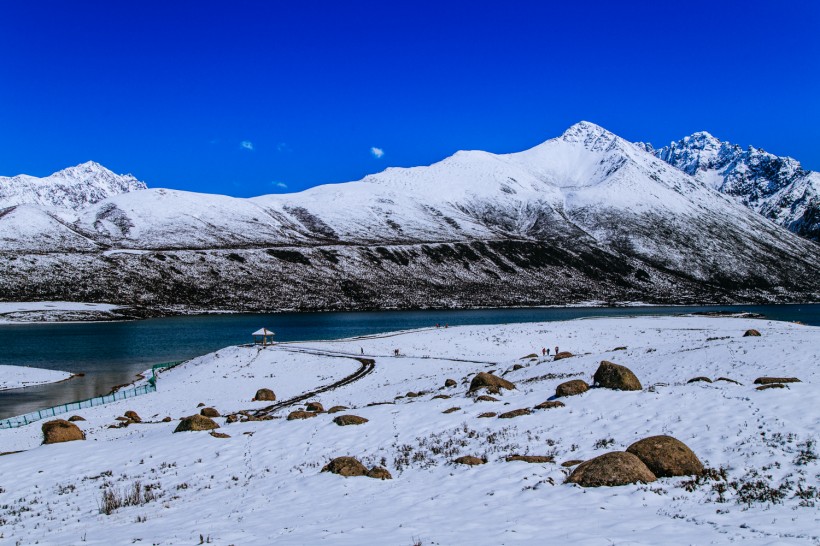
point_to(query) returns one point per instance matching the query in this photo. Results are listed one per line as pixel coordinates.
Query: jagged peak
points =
(585, 130)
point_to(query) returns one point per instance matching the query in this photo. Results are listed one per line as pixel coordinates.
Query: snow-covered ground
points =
(37, 311)
(263, 485)
(14, 377)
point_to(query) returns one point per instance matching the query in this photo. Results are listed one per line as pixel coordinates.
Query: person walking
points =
(548, 352)
(556, 349)
(361, 349)
(543, 351)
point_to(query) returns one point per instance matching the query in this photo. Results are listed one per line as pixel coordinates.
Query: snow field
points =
(15, 377)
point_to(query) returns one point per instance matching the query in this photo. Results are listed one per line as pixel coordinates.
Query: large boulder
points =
(616, 468)
(60, 430)
(492, 383)
(666, 456)
(344, 420)
(266, 395)
(194, 423)
(209, 412)
(614, 376)
(571, 388)
(346, 466)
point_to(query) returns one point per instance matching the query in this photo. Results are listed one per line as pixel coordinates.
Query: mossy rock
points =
(299, 414)
(379, 473)
(315, 407)
(572, 462)
(486, 398)
(345, 420)
(492, 383)
(611, 469)
(769, 380)
(441, 397)
(60, 430)
(133, 416)
(194, 423)
(515, 413)
(345, 466)
(219, 434)
(74, 418)
(264, 395)
(771, 386)
(550, 404)
(451, 410)
(530, 458)
(571, 388)
(337, 409)
(209, 412)
(562, 355)
(614, 376)
(487, 414)
(666, 456)
(469, 460)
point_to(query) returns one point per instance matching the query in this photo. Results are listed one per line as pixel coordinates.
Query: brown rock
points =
(60, 430)
(132, 415)
(700, 378)
(451, 410)
(201, 405)
(166, 419)
(344, 420)
(220, 435)
(299, 414)
(345, 466)
(517, 367)
(728, 380)
(121, 418)
(209, 412)
(380, 473)
(315, 406)
(572, 462)
(487, 414)
(337, 409)
(614, 376)
(441, 397)
(615, 468)
(571, 388)
(562, 355)
(232, 418)
(266, 395)
(486, 398)
(751, 333)
(771, 386)
(515, 413)
(666, 456)
(492, 383)
(768, 380)
(619, 349)
(195, 422)
(450, 383)
(469, 460)
(74, 418)
(530, 458)
(550, 404)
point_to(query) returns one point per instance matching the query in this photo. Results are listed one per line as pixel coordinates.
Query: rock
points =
(469, 460)
(232, 418)
(441, 397)
(195, 422)
(487, 414)
(344, 420)
(209, 412)
(451, 410)
(571, 462)
(619, 349)
(614, 376)
(550, 404)
(529, 356)
(132, 415)
(450, 383)
(220, 435)
(517, 367)
(771, 386)
(486, 398)
(751, 333)
(728, 380)
(74, 418)
(201, 405)
(266, 395)
(768, 380)
(615, 468)
(380, 473)
(315, 406)
(515, 413)
(166, 419)
(562, 355)
(60, 430)
(337, 409)
(299, 414)
(489, 381)
(121, 418)
(530, 458)
(700, 378)
(345, 466)
(666, 456)
(571, 388)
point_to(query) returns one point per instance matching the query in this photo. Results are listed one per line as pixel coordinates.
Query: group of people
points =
(546, 352)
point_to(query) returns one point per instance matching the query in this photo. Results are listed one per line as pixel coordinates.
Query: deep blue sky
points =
(169, 90)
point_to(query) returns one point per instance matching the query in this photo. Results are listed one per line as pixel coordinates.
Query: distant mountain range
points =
(585, 216)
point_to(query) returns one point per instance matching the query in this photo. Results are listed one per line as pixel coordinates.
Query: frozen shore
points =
(15, 377)
(263, 484)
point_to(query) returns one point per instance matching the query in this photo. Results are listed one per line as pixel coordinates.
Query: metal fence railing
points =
(122, 394)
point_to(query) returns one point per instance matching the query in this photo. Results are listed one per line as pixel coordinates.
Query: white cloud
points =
(280, 184)
(246, 144)
(377, 152)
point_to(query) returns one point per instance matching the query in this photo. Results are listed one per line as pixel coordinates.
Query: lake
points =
(112, 353)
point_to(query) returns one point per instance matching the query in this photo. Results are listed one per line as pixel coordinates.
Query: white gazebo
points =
(263, 333)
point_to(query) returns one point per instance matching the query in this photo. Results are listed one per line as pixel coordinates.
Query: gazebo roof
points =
(263, 332)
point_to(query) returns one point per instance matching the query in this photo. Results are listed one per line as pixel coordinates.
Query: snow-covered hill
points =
(585, 216)
(776, 187)
(71, 188)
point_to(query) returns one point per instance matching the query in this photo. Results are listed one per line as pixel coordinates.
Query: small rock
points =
(220, 435)
(614, 376)
(209, 412)
(771, 386)
(572, 462)
(380, 473)
(517, 367)
(344, 420)
(315, 406)
(337, 409)
(345, 466)
(299, 414)
(451, 410)
(515, 413)
(562, 355)
(666, 456)
(550, 404)
(768, 380)
(441, 397)
(530, 458)
(60, 430)
(609, 469)
(492, 383)
(132, 415)
(571, 388)
(450, 383)
(700, 378)
(619, 349)
(232, 418)
(201, 405)
(121, 418)
(194, 423)
(76, 418)
(751, 333)
(266, 395)
(469, 460)
(486, 398)
(166, 419)
(487, 414)
(728, 380)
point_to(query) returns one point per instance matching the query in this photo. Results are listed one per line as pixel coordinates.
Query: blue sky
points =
(247, 98)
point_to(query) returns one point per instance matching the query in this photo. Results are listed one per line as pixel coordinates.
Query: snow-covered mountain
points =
(776, 187)
(71, 188)
(585, 216)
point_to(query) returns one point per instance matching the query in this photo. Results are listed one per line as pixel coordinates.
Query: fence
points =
(151, 386)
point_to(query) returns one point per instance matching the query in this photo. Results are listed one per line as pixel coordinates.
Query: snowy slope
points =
(15, 377)
(776, 187)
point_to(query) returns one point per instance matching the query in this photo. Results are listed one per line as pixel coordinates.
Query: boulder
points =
(345, 466)
(769, 380)
(615, 468)
(485, 398)
(337, 409)
(469, 460)
(550, 404)
(751, 333)
(699, 379)
(492, 383)
(380, 473)
(771, 386)
(487, 414)
(195, 422)
(614, 376)
(451, 410)
(299, 414)
(60, 430)
(515, 413)
(450, 383)
(344, 420)
(132, 415)
(571, 388)
(266, 395)
(530, 458)
(167, 419)
(666, 456)
(74, 418)
(315, 406)
(562, 355)
(209, 412)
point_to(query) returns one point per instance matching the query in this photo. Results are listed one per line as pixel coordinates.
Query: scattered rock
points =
(220, 435)
(264, 395)
(469, 460)
(344, 420)
(489, 381)
(441, 397)
(531, 355)
(767, 380)
(315, 406)
(450, 383)
(121, 418)
(60, 430)
(201, 405)
(488, 414)
(550, 404)
(451, 410)
(515, 413)
(614, 376)
(572, 462)
(571, 388)
(337, 409)
(232, 418)
(380, 473)
(700, 378)
(299, 414)
(666, 456)
(517, 367)
(530, 458)
(209, 412)
(619, 349)
(195, 422)
(751, 333)
(486, 398)
(76, 418)
(166, 419)
(345, 466)
(728, 380)
(771, 386)
(412, 394)
(562, 355)
(132, 415)
(615, 468)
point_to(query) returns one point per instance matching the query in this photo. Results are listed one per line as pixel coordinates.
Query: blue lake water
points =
(112, 353)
